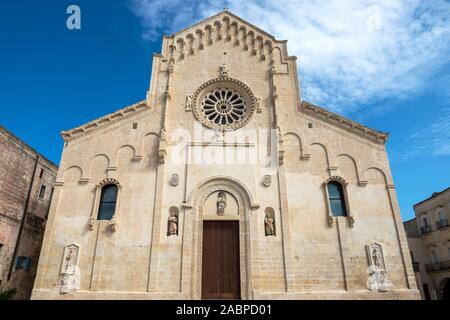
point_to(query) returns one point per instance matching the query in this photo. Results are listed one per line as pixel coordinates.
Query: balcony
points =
(416, 266)
(437, 266)
(441, 224)
(426, 229)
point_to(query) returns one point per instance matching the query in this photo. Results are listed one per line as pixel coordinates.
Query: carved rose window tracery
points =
(224, 103)
(224, 106)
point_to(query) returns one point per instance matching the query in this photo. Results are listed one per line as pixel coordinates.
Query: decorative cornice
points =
(104, 121)
(336, 179)
(108, 181)
(216, 17)
(349, 125)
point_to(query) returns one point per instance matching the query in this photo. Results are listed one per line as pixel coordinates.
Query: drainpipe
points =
(22, 223)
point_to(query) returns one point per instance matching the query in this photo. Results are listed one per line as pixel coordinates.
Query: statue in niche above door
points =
(221, 203)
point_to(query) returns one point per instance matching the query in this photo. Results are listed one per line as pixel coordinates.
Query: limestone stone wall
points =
(155, 164)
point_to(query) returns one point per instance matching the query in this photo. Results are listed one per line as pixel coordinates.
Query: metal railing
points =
(425, 230)
(442, 224)
(437, 266)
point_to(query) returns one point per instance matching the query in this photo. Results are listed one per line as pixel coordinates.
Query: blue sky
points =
(384, 63)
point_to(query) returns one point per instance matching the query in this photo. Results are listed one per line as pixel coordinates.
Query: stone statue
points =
(188, 106)
(70, 272)
(171, 66)
(221, 203)
(71, 260)
(378, 279)
(172, 229)
(223, 70)
(269, 225)
(258, 104)
(376, 257)
(162, 135)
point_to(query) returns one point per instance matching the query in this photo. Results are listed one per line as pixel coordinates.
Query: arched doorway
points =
(221, 208)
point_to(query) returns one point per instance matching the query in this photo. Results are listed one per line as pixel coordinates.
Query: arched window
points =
(108, 201)
(337, 199)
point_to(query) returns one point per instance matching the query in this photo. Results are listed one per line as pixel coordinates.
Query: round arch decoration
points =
(245, 207)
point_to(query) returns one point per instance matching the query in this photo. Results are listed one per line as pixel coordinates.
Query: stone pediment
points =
(227, 27)
(105, 121)
(347, 124)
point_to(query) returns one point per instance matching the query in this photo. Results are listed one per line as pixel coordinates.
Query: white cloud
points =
(351, 53)
(431, 141)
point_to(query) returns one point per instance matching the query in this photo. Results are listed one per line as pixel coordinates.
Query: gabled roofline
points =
(340, 121)
(232, 15)
(434, 195)
(104, 121)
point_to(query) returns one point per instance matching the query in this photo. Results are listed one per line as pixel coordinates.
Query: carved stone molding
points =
(244, 239)
(98, 191)
(108, 181)
(105, 121)
(174, 180)
(224, 27)
(348, 125)
(267, 180)
(330, 218)
(70, 271)
(378, 278)
(337, 179)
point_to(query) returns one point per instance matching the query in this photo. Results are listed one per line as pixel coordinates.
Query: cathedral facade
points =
(224, 184)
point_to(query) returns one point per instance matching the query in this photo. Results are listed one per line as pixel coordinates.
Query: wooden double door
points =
(221, 278)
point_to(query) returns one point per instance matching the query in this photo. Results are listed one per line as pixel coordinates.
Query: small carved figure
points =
(71, 260)
(258, 104)
(92, 223)
(378, 278)
(267, 181)
(269, 223)
(223, 70)
(376, 257)
(172, 229)
(188, 106)
(174, 179)
(171, 66)
(113, 225)
(162, 134)
(69, 271)
(221, 203)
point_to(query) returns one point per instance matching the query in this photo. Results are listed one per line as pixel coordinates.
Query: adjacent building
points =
(429, 241)
(26, 186)
(224, 184)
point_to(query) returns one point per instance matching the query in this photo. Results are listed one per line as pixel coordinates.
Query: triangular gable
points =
(220, 16)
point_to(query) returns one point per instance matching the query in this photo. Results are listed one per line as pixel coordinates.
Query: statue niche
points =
(70, 276)
(221, 203)
(172, 222)
(269, 222)
(378, 279)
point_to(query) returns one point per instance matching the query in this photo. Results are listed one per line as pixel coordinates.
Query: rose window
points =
(223, 104)
(223, 107)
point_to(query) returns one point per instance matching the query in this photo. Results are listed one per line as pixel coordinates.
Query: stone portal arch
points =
(235, 191)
